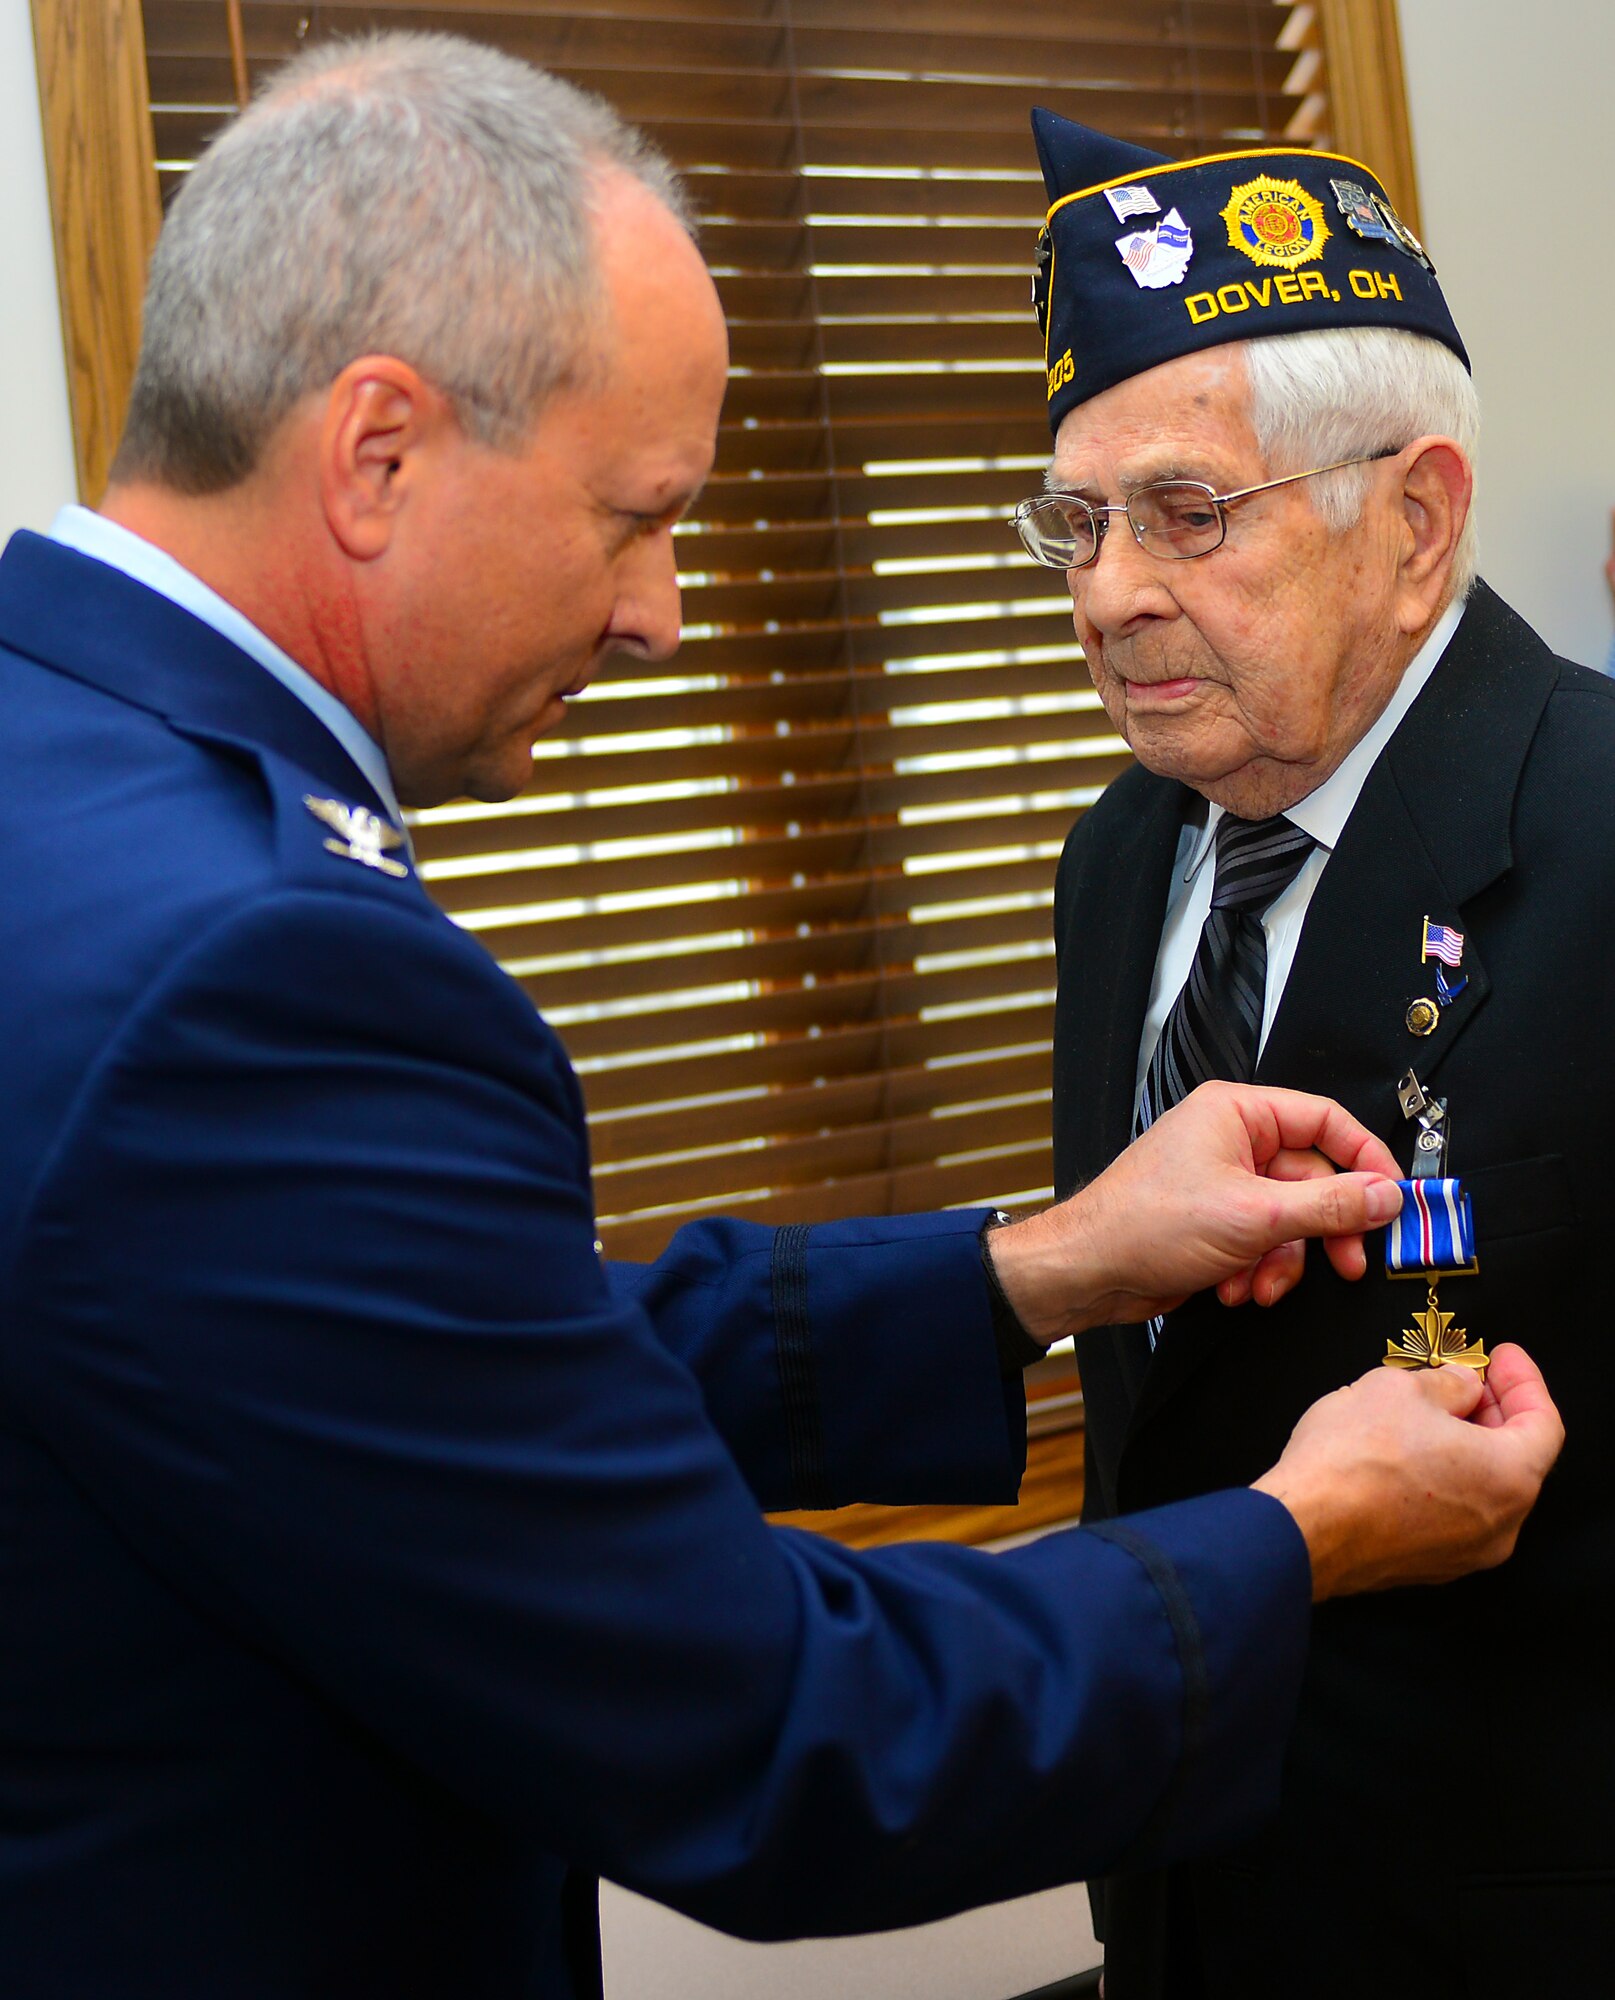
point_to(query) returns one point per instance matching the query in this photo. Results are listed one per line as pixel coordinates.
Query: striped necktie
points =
(1215, 1025)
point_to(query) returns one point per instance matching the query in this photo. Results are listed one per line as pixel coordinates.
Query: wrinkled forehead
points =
(1187, 418)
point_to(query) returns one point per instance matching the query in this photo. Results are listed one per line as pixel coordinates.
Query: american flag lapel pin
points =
(1446, 946)
(1443, 942)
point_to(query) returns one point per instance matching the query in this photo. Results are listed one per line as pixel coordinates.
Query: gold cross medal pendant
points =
(1432, 1341)
(1433, 1237)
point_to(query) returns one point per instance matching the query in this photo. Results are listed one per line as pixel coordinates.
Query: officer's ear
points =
(1434, 498)
(380, 426)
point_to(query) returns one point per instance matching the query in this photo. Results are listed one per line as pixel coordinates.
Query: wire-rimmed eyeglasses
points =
(1174, 518)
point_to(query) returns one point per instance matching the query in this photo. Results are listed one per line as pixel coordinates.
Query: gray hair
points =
(1350, 391)
(407, 194)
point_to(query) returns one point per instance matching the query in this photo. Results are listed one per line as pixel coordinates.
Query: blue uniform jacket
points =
(371, 1552)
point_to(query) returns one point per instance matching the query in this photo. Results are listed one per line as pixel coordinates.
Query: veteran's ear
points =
(380, 423)
(1437, 487)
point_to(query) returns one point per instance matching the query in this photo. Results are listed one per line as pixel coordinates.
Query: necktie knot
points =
(1257, 860)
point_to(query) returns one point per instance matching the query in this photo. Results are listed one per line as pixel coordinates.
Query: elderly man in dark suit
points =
(1367, 849)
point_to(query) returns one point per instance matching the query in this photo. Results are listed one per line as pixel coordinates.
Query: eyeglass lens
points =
(1173, 518)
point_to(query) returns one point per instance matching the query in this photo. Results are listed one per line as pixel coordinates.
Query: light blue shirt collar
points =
(107, 542)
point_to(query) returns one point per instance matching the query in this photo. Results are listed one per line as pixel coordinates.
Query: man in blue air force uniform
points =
(1367, 850)
(377, 1564)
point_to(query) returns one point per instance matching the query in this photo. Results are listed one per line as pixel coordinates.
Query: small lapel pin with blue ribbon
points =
(1446, 946)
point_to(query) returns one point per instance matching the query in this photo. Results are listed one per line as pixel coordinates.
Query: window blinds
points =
(786, 896)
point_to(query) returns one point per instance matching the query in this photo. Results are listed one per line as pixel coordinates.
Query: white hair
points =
(406, 194)
(1347, 392)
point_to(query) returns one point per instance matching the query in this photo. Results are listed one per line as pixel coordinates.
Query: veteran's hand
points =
(1418, 1476)
(1220, 1191)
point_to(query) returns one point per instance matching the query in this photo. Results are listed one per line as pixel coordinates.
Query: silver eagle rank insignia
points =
(361, 835)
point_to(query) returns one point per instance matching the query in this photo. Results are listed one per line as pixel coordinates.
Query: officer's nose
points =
(646, 618)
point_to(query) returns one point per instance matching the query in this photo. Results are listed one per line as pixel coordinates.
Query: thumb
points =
(1335, 1204)
(1528, 1411)
(1457, 1390)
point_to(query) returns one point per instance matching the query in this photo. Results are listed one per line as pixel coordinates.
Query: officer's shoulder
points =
(335, 840)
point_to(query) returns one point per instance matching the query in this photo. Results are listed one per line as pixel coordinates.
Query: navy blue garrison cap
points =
(1143, 258)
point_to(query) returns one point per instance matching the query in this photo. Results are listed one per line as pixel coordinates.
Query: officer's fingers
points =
(1292, 1120)
(1345, 1252)
(1334, 1204)
(1277, 1273)
(1454, 1390)
(1348, 1254)
(1235, 1291)
(1487, 1414)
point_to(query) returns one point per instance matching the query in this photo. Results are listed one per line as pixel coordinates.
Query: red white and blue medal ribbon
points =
(1435, 1231)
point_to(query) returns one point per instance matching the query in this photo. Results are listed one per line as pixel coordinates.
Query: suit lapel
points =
(1429, 832)
(1342, 1027)
(1119, 880)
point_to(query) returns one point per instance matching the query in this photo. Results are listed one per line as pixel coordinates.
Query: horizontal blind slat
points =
(818, 1106)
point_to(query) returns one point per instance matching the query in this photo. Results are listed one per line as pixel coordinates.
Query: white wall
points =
(36, 439)
(991, 1954)
(1513, 114)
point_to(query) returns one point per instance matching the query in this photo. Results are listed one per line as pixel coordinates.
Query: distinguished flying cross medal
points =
(361, 835)
(1432, 1238)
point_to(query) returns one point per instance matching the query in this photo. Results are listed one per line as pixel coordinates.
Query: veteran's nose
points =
(1122, 584)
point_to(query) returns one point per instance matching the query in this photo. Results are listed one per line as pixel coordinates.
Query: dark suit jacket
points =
(371, 1552)
(1447, 1825)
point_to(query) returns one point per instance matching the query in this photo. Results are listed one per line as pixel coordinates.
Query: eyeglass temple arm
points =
(1289, 479)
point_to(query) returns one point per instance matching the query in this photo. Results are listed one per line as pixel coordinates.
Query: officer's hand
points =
(1220, 1191)
(1390, 1484)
